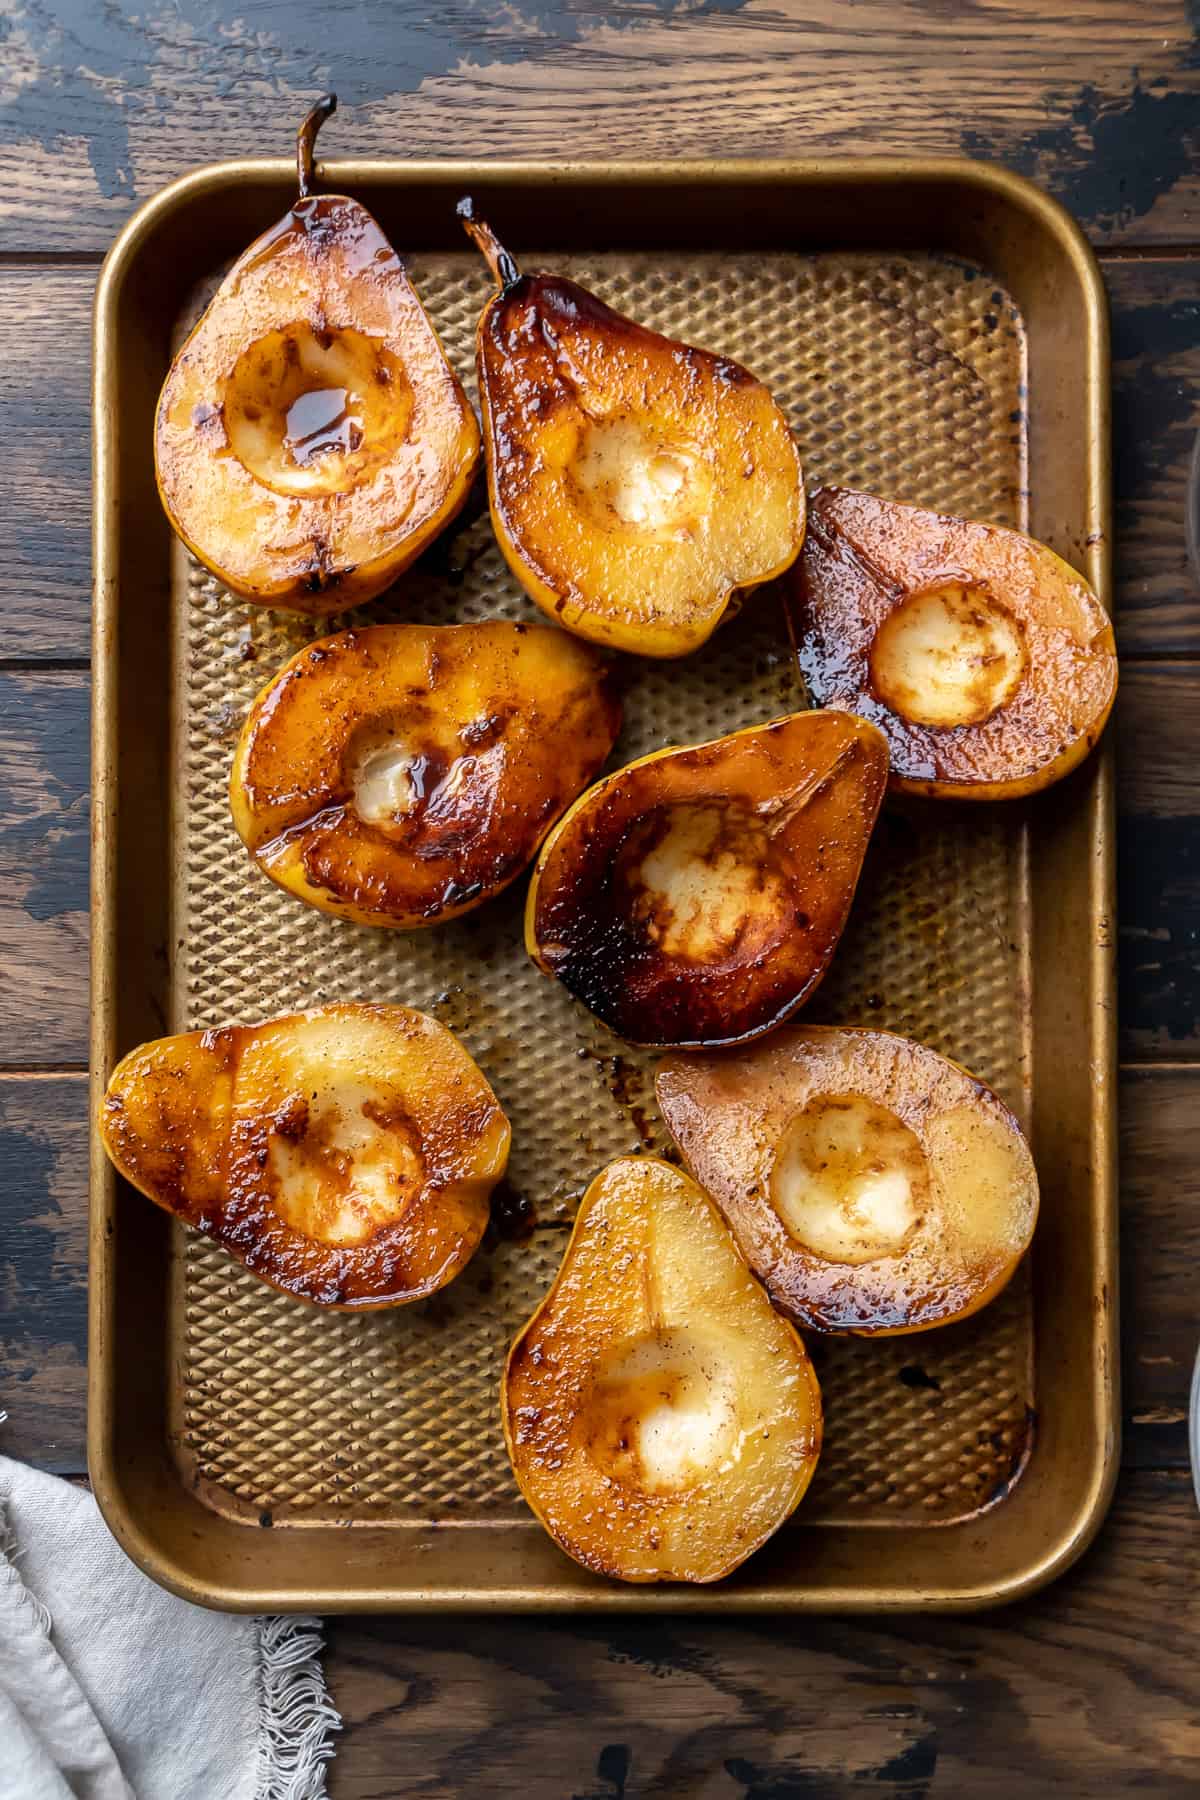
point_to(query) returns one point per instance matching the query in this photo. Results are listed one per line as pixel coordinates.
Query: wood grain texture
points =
(1084, 1690)
(1158, 859)
(45, 479)
(45, 409)
(1156, 415)
(43, 1207)
(43, 867)
(101, 105)
(1089, 1689)
(1160, 1253)
(43, 1269)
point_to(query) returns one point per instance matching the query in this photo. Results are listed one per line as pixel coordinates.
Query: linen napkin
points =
(113, 1689)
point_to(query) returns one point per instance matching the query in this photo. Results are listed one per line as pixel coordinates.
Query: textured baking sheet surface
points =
(900, 374)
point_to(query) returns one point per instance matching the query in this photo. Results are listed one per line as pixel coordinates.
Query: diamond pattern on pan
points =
(899, 374)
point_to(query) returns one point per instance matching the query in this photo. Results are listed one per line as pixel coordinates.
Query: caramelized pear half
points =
(661, 1418)
(403, 774)
(874, 1187)
(311, 437)
(985, 660)
(344, 1155)
(635, 483)
(697, 896)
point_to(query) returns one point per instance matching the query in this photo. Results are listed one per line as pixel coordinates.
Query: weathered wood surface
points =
(43, 1269)
(1090, 1688)
(45, 476)
(1158, 865)
(1086, 1690)
(43, 867)
(1156, 415)
(1160, 1253)
(102, 104)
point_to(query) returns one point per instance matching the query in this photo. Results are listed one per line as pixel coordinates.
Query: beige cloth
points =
(113, 1689)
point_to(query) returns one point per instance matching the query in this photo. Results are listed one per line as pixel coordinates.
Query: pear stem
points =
(505, 269)
(306, 137)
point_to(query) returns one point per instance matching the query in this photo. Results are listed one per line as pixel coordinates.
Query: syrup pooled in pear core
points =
(311, 438)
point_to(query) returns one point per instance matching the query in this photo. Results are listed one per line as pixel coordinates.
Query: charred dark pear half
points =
(344, 1155)
(986, 661)
(697, 896)
(636, 483)
(662, 1419)
(403, 774)
(874, 1186)
(311, 438)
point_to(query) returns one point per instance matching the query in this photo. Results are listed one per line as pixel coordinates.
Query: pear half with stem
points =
(311, 438)
(986, 661)
(662, 1419)
(404, 774)
(344, 1155)
(636, 483)
(874, 1186)
(697, 896)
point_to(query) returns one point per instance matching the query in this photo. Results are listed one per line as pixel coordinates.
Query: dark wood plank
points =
(1080, 1691)
(43, 1269)
(103, 104)
(43, 867)
(1158, 859)
(43, 1204)
(44, 410)
(1084, 1690)
(1160, 1251)
(1156, 415)
(45, 478)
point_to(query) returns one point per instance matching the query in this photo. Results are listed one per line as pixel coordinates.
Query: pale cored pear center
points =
(849, 1180)
(623, 474)
(311, 413)
(703, 881)
(662, 1414)
(386, 783)
(947, 657)
(342, 1164)
(390, 782)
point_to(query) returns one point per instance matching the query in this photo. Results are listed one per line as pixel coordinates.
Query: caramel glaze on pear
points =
(662, 1420)
(345, 1155)
(311, 438)
(696, 897)
(987, 662)
(874, 1186)
(636, 483)
(402, 775)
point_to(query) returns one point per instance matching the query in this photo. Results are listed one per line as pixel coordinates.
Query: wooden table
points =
(1095, 1685)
